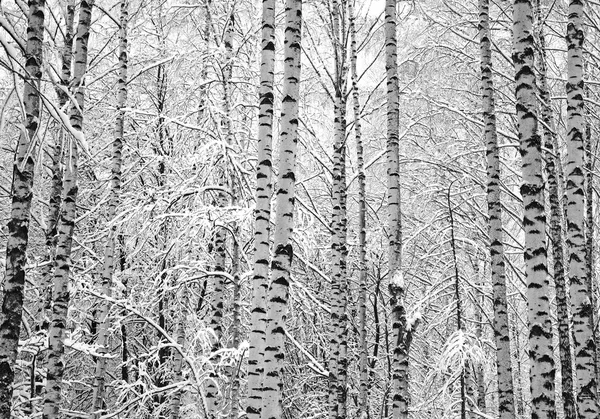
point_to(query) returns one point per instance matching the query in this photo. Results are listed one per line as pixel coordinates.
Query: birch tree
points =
(21, 195)
(262, 213)
(362, 233)
(338, 363)
(278, 294)
(553, 162)
(66, 226)
(396, 285)
(114, 202)
(583, 312)
(534, 217)
(506, 408)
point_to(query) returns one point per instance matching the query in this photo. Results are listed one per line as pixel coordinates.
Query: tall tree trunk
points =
(363, 392)
(21, 195)
(54, 200)
(282, 239)
(463, 378)
(480, 367)
(552, 158)
(262, 213)
(114, 202)
(177, 356)
(206, 31)
(583, 312)
(589, 236)
(236, 324)
(394, 233)
(338, 362)
(61, 294)
(220, 242)
(534, 217)
(506, 398)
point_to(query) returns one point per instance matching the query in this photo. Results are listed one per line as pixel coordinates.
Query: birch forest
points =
(300, 209)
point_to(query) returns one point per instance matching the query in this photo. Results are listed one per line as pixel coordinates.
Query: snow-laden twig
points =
(313, 364)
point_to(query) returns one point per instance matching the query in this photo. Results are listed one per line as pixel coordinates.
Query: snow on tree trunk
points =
(21, 194)
(394, 233)
(66, 226)
(108, 266)
(534, 218)
(278, 294)
(214, 405)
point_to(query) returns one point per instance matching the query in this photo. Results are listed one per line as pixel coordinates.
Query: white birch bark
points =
(66, 226)
(534, 218)
(400, 392)
(21, 195)
(262, 213)
(283, 252)
(581, 298)
(506, 400)
(363, 391)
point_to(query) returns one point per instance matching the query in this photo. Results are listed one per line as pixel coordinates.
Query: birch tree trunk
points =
(506, 398)
(479, 266)
(272, 396)
(21, 195)
(177, 357)
(54, 199)
(552, 158)
(61, 296)
(590, 259)
(581, 299)
(534, 217)
(363, 391)
(220, 242)
(114, 202)
(338, 362)
(396, 286)
(262, 213)
(236, 326)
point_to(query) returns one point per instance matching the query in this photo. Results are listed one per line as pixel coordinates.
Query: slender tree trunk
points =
(124, 335)
(459, 314)
(206, 31)
(534, 218)
(583, 312)
(552, 158)
(177, 357)
(220, 241)
(506, 398)
(262, 213)
(21, 194)
(480, 367)
(363, 392)
(54, 200)
(114, 202)
(236, 325)
(338, 363)
(66, 226)
(396, 286)
(282, 239)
